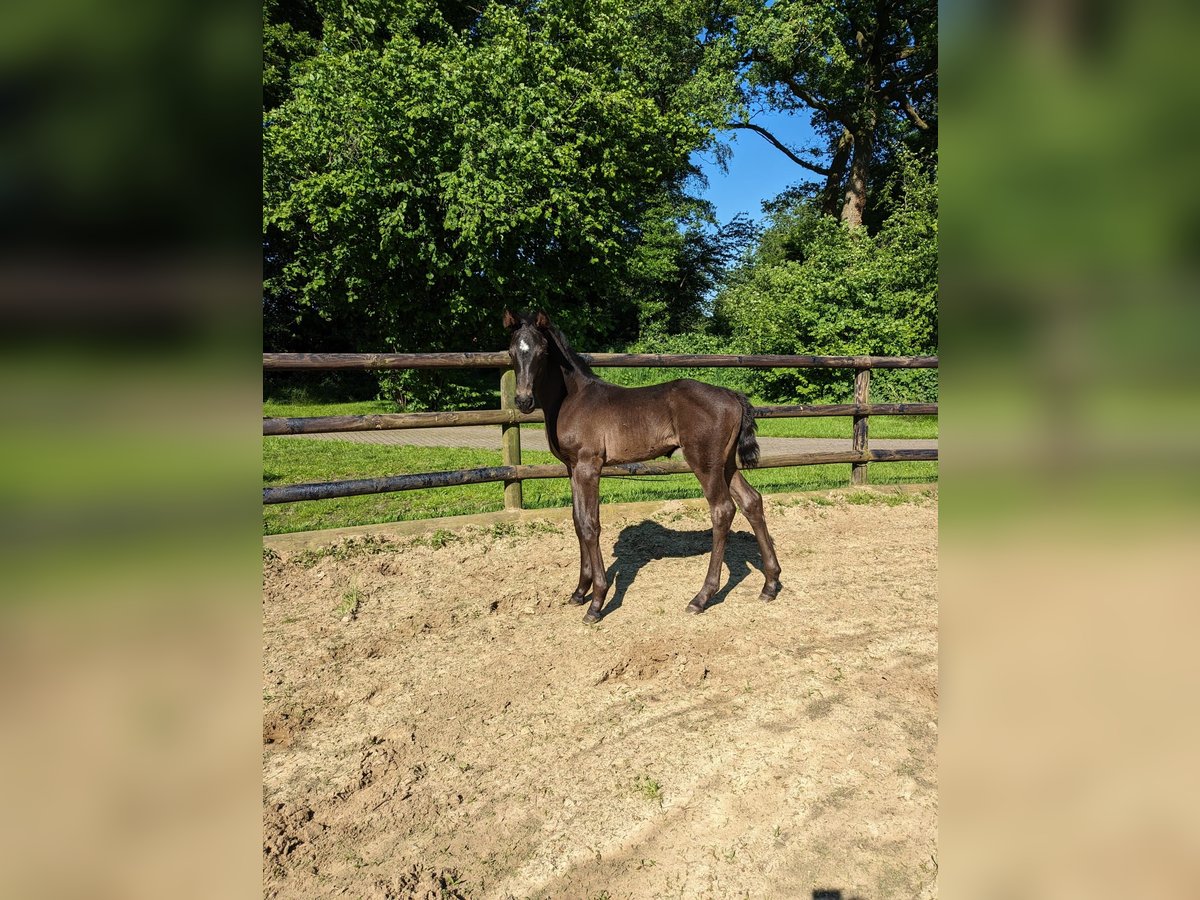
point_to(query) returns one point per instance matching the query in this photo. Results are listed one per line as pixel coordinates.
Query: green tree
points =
(864, 70)
(815, 285)
(425, 167)
(679, 264)
(291, 35)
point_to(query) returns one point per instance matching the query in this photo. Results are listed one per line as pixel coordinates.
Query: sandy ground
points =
(438, 722)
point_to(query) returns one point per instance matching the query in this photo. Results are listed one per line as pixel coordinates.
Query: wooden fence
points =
(512, 472)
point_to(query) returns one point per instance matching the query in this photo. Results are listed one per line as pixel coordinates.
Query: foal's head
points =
(529, 346)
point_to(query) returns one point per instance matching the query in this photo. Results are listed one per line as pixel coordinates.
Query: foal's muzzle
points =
(525, 403)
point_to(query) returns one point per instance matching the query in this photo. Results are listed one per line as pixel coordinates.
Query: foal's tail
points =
(747, 443)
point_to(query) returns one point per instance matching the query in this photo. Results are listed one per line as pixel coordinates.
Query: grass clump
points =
(369, 545)
(649, 788)
(347, 610)
(886, 498)
(521, 529)
(437, 540)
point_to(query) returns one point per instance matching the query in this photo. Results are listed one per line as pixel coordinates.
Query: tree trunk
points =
(831, 196)
(856, 188)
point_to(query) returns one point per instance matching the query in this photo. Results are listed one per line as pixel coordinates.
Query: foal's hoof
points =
(694, 609)
(591, 618)
(577, 599)
(770, 592)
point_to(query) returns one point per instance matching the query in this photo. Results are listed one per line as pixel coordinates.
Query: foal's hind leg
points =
(579, 597)
(751, 503)
(715, 481)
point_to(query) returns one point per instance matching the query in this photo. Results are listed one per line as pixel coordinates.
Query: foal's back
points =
(634, 424)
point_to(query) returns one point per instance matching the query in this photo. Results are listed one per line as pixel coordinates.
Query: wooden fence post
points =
(510, 439)
(862, 389)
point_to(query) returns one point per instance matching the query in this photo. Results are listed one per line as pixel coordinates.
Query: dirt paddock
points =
(438, 722)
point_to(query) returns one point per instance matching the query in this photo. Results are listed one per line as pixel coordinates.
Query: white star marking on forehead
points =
(523, 346)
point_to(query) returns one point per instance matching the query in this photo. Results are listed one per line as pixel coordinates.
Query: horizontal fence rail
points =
(391, 421)
(512, 473)
(502, 360)
(332, 489)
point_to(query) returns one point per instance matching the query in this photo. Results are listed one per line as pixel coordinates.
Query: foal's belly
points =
(635, 446)
(619, 425)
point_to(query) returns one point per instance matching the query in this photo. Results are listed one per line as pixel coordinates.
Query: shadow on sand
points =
(648, 541)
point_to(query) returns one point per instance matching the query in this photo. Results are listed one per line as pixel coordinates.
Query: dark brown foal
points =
(591, 423)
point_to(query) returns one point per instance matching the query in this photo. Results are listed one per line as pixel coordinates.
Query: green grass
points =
(841, 426)
(286, 409)
(295, 460)
(649, 788)
(351, 600)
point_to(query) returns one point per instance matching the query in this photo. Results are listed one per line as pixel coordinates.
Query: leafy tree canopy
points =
(814, 285)
(865, 71)
(422, 171)
(427, 162)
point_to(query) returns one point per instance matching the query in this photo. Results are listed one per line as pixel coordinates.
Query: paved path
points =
(487, 437)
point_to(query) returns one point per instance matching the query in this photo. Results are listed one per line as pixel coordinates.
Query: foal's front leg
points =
(579, 596)
(585, 504)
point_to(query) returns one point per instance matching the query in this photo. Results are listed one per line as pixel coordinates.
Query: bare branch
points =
(894, 91)
(914, 115)
(912, 77)
(812, 167)
(808, 98)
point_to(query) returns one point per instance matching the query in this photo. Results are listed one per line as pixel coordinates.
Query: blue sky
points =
(757, 171)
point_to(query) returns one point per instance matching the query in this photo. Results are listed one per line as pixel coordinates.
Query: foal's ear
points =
(510, 321)
(542, 320)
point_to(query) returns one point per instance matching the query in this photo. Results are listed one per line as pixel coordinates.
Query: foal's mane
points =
(571, 359)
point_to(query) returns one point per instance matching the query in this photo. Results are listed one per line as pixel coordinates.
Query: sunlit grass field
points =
(296, 460)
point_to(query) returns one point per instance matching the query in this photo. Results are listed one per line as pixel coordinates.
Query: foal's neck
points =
(572, 379)
(558, 381)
